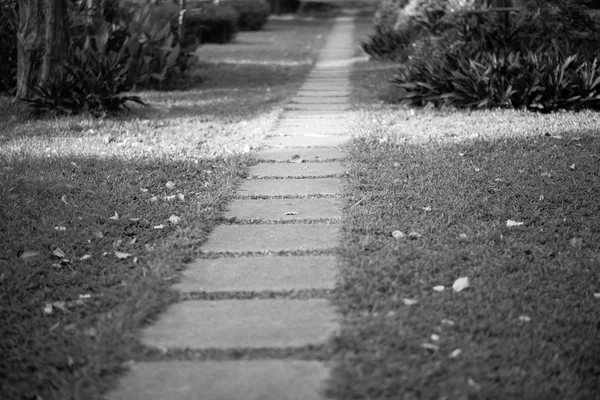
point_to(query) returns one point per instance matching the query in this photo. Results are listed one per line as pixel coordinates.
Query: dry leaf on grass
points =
(398, 235)
(58, 253)
(121, 256)
(510, 223)
(455, 353)
(409, 302)
(524, 318)
(170, 185)
(60, 228)
(29, 254)
(460, 284)
(85, 257)
(114, 217)
(439, 288)
(448, 322)
(174, 219)
(430, 346)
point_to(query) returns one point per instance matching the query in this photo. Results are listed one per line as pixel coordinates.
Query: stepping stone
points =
(266, 238)
(273, 323)
(313, 122)
(318, 107)
(296, 170)
(223, 380)
(289, 187)
(279, 209)
(319, 100)
(257, 274)
(318, 129)
(306, 141)
(307, 154)
(330, 93)
(314, 115)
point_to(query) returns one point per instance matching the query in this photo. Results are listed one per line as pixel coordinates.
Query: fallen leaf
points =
(170, 185)
(461, 154)
(576, 242)
(414, 235)
(48, 308)
(291, 213)
(439, 288)
(28, 254)
(97, 233)
(409, 302)
(546, 174)
(448, 322)
(134, 219)
(541, 198)
(132, 241)
(435, 338)
(455, 353)
(170, 197)
(477, 169)
(246, 149)
(427, 208)
(143, 190)
(597, 295)
(85, 296)
(572, 166)
(60, 228)
(296, 158)
(153, 199)
(121, 255)
(397, 164)
(158, 226)
(115, 217)
(460, 284)
(473, 384)
(64, 199)
(511, 223)
(391, 313)
(174, 219)
(58, 253)
(85, 257)
(398, 235)
(524, 318)
(180, 196)
(430, 346)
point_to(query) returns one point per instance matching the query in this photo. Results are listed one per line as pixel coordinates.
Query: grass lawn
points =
(528, 326)
(97, 216)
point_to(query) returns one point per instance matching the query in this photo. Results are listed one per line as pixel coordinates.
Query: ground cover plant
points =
(97, 215)
(507, 199)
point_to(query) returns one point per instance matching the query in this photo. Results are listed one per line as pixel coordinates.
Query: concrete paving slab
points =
(330, 93)
(230, 274)
(314, 129)
(318, 86)
(307, 154)
(306, 141)
(317, 107)
(284, 209)
(319, 100)
(313, 122)
(313, 115)
(273, 323)
(223, 380)
(289, 187)
(281, 237)
(296, 170)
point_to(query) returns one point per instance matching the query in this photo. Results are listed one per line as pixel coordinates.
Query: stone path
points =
(282, 239)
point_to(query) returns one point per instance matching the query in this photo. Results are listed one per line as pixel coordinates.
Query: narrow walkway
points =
(271, 269)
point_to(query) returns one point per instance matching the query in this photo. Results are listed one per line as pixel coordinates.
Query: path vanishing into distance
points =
(261, 287)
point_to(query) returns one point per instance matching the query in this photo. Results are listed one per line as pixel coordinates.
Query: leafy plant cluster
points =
(543, 58)
(213, 23)
(133, 45)
(253, 14)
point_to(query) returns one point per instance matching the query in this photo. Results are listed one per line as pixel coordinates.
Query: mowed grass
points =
(528, 325)
(128, 200)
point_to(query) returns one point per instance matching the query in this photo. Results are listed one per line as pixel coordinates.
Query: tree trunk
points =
(181, 27)
(55, 39)
(29, 44)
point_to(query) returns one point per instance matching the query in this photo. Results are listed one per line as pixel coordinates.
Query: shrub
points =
(8, 46)
(89, 81)
(284, 6)
(253, 14)
(213, 24)
(543, 80)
